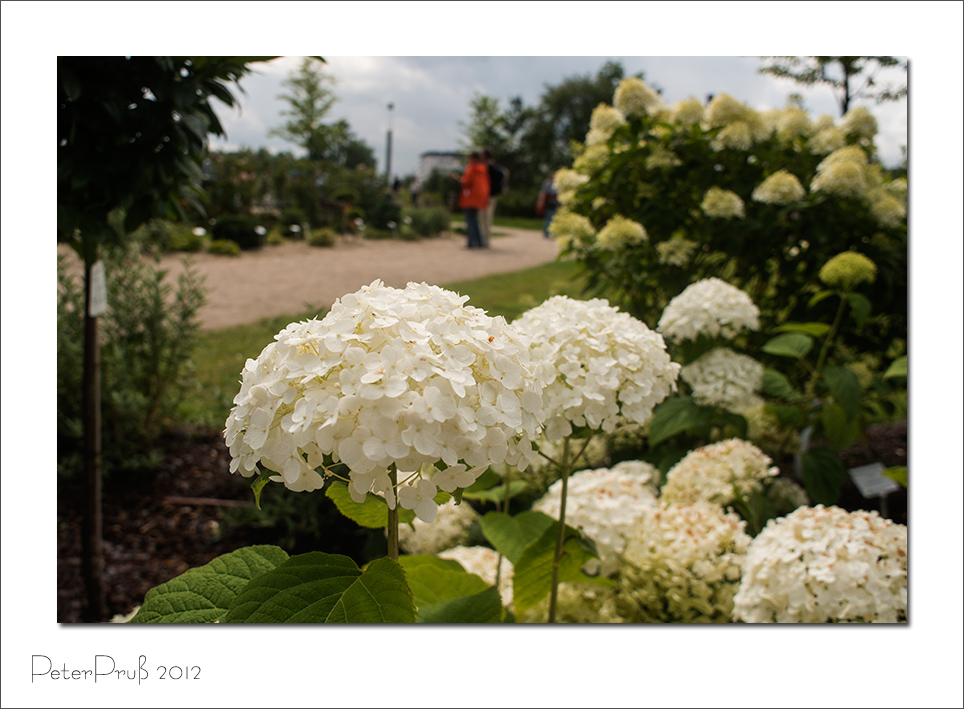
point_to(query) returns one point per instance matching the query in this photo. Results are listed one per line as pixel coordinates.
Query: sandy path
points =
(294, 277)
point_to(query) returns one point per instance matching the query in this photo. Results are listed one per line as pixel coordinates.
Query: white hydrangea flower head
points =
(633, 97)
(409, 378)
(782, 187)
(688, 112)
(826, 140)
(898, 188)
(791, 122)
(601, 367)
(605, 504)
(620, 232)
(450, 529)
(722, 204)
(846, 179)
(682, 564)
(604, 121)
(676, 251)
(569, 228)
(887, 209)
(595, 156)
(724, 378)
(710, 307)
(860, 123)
(566, 182)
(737, 135)
(717, 472)
(483, 562)
(825, 564)
(724, 110)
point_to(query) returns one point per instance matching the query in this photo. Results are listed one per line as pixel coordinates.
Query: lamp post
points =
(388, 146)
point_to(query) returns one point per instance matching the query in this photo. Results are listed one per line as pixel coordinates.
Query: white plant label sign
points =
(98, 290)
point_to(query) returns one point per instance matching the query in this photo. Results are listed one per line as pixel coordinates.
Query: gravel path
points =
(290, 278)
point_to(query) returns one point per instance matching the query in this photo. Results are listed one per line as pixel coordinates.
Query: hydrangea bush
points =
(824, 564)
(720, 473)
(760, 199)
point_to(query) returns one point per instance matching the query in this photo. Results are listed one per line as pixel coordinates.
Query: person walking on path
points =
(474, 197)
(498, 176)
(547, 204)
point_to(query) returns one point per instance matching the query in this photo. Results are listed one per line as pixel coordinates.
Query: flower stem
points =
(561, 536)
(393, 517)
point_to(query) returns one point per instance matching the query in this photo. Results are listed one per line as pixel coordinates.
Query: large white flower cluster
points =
(782, 187)
(604, 121)
(676, 251)
(723, 378)
(633, 97)
(716, 472)
(710, 307)
(450, 529)
(682, 564)
(484, 562)
(620, 232)
(409, 378)
(824, 564)
(843, 172)
(601, 367)
(605, 503)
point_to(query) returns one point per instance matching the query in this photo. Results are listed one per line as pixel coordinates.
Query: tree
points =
(310, 100)
(840, 74)
(131, 132)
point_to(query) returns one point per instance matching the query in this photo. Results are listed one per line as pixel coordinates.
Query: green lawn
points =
(221, 354)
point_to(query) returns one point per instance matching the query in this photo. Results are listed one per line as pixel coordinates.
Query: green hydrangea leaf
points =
(860, 307)
(674, 416)
(483, 607)
(845, 387)
(898, 474)
(326, 588)
(897, 368)
(203, 594)
(496, 494)
(510, 535)
(532, 575)
(823, 475)
(777, 385)
(816, 329)
(789, 344)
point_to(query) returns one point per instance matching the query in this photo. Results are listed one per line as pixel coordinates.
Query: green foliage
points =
(131, 133)
(148, 335)
(445, 593)
(203, 594)
(240, 229)
(373, 512)
(224, 247)
(427, 222)
(323, 236)
(325, 588)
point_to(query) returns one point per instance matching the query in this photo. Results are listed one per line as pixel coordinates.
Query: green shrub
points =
(293, 217)
(240, 229)
(147, 336)
(428, 222)
(324, 236)
(224, 247)
(275, 238)
(185, 238)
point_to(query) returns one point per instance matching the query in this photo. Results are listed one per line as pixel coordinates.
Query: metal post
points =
(388, 147)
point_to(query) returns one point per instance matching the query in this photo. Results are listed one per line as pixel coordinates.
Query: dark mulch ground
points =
(158, 526)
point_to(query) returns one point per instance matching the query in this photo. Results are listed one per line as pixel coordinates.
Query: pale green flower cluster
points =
(859, 122)
(676, 251)
(711, 308)
(722, 204)
(724, 378)
(620, 232)
(887, 209)
(724, 110)
(484, 562)
(682, 564)
(600, 367)
(633, 97)
(791, 122)
(450, 528)
(569, 228)
(592, 158)
(687, 112)
(736, 136)
(826, 140)
(717, 473)
(824, 564)
(662, 158)
(579, 603)
(566, 182)
(605, 503)
(782, 187)
(843, 173)
(604, 121)
(411, 378)
(848, 270)
(764, 428)
(786, 495)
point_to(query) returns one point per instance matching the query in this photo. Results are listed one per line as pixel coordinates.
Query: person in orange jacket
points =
(474, 197)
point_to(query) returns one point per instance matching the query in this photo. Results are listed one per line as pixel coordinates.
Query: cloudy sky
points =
(431, 96)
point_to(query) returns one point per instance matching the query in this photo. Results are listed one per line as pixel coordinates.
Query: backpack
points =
(496, 180)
